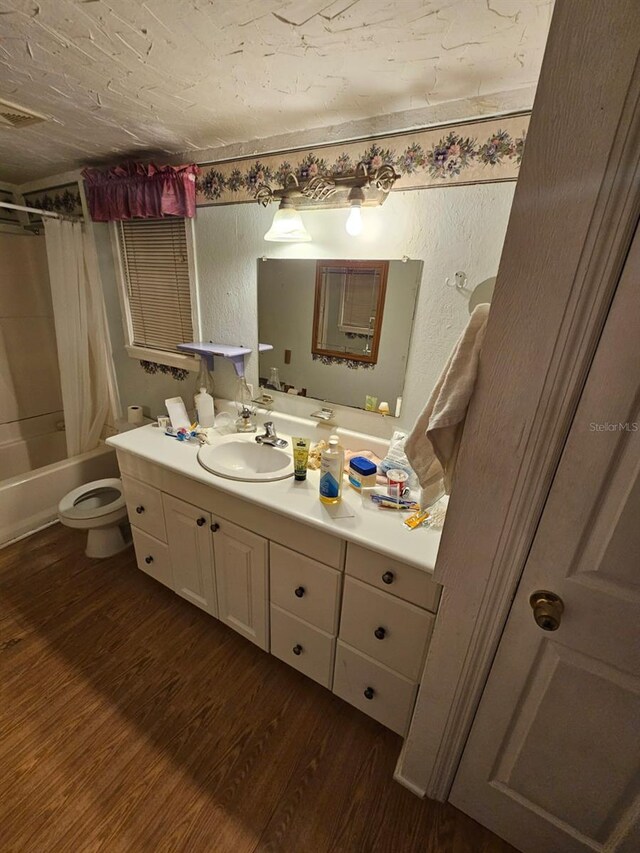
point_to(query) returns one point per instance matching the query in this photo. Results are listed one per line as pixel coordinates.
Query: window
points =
(156, 267)
(359, 300)
(349, 304)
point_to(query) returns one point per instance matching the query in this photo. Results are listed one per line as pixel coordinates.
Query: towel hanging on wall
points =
(432, 447)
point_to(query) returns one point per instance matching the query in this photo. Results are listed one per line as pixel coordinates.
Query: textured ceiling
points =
(122, 77)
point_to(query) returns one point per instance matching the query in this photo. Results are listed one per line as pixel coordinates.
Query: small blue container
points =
(362, 473)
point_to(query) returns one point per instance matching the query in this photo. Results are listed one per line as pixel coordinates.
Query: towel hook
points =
(459, 282)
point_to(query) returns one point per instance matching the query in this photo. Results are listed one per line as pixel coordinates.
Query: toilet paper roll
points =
(134, 415)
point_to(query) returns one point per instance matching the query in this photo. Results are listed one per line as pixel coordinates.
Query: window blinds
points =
(156, 269)
(359, 300)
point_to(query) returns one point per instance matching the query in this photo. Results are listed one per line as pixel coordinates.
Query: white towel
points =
(432, 447)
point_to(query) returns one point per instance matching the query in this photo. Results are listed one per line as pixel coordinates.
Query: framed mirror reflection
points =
(340, 329)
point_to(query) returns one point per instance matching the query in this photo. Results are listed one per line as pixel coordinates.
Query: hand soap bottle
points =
(331, 471)
(204, 408)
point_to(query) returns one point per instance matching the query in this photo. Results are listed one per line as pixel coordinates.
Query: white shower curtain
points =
(87, 378)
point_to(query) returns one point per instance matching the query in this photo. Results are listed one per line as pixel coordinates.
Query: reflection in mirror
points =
(348, 309)
(340, 330)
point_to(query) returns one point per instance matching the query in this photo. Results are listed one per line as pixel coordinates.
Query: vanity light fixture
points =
(287, 225)
(363, 186)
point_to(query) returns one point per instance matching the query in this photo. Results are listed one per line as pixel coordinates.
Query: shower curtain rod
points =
(37, 211)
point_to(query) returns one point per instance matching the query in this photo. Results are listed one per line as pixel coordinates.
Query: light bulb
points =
(354, 221)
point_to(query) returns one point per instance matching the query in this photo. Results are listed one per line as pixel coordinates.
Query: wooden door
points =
(189, 540)
(552, 762)
(242, 578)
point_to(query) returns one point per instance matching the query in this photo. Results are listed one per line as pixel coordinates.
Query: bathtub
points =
(30, 499)
(31, 443)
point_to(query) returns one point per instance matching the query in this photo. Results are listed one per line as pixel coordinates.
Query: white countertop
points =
(380, 530)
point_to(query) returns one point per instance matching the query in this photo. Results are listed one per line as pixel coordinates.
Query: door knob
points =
(215, 527)
(201, 522)
(547, 609)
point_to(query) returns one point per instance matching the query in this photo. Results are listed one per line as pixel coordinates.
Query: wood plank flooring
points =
(132, 721)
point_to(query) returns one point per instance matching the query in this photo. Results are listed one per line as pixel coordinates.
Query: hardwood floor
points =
(132, 721)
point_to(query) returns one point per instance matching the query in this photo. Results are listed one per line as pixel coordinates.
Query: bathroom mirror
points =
(340, 329)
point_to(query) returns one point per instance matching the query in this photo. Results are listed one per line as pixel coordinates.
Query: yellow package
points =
(416, 519)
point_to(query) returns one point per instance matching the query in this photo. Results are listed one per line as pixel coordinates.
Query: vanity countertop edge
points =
(379, 530)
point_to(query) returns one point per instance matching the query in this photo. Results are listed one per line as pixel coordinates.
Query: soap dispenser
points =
(204, 380)
(205, 409)
(246, 412)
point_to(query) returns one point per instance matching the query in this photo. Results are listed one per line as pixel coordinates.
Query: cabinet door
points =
(242, 580)
(189, 541)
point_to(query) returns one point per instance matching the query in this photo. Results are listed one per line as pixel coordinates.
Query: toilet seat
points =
(74, 506)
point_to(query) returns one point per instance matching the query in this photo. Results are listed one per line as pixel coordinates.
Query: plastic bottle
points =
(205, 409)
(331, 471)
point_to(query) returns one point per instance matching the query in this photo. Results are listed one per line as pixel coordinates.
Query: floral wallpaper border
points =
(351, 363)
(475, 152)
(152, 367)
(62, 199)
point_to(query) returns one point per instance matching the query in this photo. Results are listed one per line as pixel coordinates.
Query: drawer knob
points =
(140, 509)
(388, 577)
(380, 633)
(297, 649)
(299, 591)
(369, 693)
(201, 521)
(148, 559)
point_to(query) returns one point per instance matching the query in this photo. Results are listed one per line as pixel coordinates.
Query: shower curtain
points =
(87, 378)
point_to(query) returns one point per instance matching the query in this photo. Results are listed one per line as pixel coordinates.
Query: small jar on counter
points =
(362, 473)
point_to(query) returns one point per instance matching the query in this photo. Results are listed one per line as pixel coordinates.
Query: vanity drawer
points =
(152, 557)
(144, 506)
(393, 577)
(374, 688)
(392, 631)
(304, 587)
(302, 646)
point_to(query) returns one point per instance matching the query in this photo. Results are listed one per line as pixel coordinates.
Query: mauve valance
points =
(140, 190)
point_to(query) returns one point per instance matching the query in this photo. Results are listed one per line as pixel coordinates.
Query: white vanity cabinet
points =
(344, 615)
(305, 611)
(242, 575)
(385, 628)
(191, 552)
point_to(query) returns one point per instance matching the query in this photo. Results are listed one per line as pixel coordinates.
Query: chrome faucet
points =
(270, 436)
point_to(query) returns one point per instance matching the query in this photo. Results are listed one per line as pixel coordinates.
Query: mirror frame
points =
(383, 268)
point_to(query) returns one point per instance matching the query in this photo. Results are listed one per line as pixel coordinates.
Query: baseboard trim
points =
(410, 786)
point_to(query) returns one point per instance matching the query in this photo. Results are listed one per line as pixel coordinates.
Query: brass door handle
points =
(547, 609)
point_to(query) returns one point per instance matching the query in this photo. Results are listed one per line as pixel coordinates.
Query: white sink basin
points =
(244, 459)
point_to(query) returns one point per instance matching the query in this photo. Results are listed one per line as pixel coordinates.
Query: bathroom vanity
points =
(348, 601)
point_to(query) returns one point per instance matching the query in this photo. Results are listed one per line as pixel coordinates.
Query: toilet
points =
(99, 508)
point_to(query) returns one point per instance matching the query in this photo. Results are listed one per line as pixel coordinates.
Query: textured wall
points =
(456, 228)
